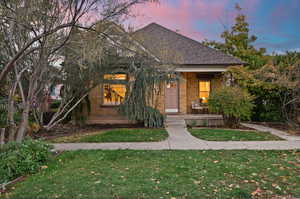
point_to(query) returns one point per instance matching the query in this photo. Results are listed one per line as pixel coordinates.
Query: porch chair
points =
(199, 107)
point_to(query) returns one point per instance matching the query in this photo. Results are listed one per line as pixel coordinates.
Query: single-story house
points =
(200, 69)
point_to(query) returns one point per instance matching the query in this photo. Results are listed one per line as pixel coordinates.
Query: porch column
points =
(183, 93)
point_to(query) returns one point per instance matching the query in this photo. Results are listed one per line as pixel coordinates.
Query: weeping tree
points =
(144, 91)
(108, 49)
(123, 55)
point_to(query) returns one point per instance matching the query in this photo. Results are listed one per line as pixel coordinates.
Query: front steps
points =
(175, 121)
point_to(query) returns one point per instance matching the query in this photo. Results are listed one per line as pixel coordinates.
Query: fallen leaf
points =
(258, 191)
(276, 186)
(197, 182)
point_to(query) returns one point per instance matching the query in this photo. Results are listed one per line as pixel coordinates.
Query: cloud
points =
(181, 16)
(274, 22)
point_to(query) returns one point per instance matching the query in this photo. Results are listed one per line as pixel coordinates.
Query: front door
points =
(171, 97)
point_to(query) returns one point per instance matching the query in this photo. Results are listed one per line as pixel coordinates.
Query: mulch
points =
(279, 126)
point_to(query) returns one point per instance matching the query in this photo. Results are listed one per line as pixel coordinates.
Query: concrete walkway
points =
(181, 139)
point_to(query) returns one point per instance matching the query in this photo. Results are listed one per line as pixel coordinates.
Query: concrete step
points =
(175, 122)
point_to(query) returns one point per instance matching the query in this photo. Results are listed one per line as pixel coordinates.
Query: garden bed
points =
(279, 126)
(232, 135)
(165, 174)
(64, 130)
(117, 135)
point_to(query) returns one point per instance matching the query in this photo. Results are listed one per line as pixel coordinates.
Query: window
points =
(114, 93)
(204, 90)
(115, 76)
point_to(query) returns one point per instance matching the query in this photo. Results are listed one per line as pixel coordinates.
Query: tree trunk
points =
(24, 124)
(2, 136)
(12, 133)
(231, 121)
(11, 110)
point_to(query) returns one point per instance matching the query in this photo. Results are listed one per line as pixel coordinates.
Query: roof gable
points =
(172, 47)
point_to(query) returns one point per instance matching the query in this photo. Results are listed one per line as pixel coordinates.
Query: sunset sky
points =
(275, 22)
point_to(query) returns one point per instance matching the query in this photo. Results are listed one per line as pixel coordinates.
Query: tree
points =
(35, 33)
(239, 43)
(59, 15)
(140, 102)
(276, 84)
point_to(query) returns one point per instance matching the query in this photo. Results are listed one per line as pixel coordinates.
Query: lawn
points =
(232, 135)
(119, 135)
(165, 174)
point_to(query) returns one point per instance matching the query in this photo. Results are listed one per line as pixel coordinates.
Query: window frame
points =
(112, 82)
(199, 89)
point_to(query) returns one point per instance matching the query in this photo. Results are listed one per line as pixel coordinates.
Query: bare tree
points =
(59, 15)
(35, 32)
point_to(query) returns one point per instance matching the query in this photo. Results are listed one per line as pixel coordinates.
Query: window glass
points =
(115, 76)
(114, 93)
(204, 90)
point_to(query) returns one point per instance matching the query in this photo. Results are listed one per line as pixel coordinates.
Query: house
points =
(200, 69)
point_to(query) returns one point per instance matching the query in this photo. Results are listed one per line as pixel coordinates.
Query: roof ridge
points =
(161, 26)
(198, 42)
(192, 42)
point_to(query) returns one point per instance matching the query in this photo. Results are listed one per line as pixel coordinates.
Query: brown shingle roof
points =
(172, 47)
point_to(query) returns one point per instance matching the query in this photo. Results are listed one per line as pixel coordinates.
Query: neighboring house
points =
(200, 69)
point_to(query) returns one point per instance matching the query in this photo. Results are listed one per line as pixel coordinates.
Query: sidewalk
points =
(181, 139)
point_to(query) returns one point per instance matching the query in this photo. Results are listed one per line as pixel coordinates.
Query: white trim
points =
(200, 69)
(172, 110)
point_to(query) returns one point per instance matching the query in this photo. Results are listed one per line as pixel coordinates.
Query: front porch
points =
(190, 95)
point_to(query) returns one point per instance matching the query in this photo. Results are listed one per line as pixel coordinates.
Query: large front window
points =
(204, 90)
(114, 93)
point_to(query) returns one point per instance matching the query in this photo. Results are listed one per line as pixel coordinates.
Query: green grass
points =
(119, 135)
(165, 174)
(232, 135)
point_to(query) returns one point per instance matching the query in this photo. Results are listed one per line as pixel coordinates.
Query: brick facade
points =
(188, 91)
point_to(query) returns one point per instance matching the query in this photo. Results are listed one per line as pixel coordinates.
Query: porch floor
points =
(208, 120)
(194, 116)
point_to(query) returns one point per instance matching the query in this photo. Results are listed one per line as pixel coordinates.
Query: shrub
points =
(17, 159)
(150, 117)
(233, 103)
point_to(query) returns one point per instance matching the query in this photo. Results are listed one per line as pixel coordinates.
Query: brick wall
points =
(101, 111)
(189, 89)
(188, 92)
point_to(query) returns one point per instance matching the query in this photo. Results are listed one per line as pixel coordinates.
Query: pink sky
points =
(181, 17)
(275, 22)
